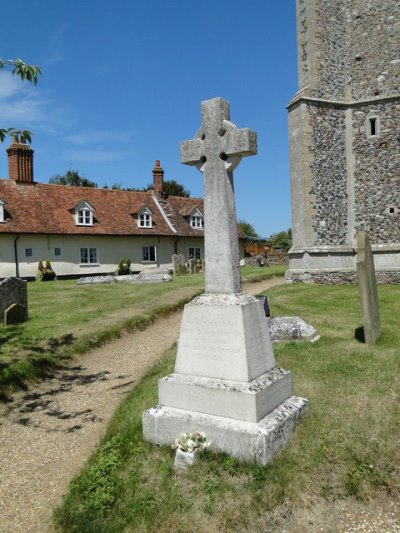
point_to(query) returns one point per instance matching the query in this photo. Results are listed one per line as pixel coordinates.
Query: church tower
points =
(344, 136)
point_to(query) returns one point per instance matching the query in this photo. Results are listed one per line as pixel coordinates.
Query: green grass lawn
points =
(346, 447)
(66, 318)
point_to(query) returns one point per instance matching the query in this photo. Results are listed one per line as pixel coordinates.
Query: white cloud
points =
(24, 106)
(9, 85)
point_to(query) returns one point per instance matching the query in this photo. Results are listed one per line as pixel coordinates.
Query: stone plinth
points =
(249, 402)
(247, 441)
(226, 382)
(224, 336)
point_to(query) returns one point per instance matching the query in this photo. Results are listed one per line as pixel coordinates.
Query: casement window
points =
(145, 219)
(196, 219)
(28, 252)
(196, 222)
(84, 214)
(149, 254)
(1, 211)
(57, 252)
(194, 252)
(89, 256)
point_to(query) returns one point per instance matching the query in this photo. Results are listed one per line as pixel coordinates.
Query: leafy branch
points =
(25, 72)
(22, 69)
(18, 135)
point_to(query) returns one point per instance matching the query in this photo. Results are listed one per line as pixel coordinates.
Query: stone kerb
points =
(368, 290)
(13, 291)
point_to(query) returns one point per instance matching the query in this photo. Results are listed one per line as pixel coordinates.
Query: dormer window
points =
(196, 219)
(84, 214)
(145, 219)
(1, 211)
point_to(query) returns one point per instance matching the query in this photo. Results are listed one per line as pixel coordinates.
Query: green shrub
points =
(123, 268)
(45, 273)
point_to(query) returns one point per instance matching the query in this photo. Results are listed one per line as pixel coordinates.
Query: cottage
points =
(85, 231)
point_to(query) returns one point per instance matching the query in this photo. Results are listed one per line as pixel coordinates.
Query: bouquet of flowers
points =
(189, 442)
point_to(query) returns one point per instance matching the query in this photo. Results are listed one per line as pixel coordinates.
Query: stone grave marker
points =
(191, 263)
(226, 383)
(368, 291)
(175, 264)
(13, 291)
(15, 314)
(178, 262)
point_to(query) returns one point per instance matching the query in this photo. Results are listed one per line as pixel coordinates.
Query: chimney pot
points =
(20, 162)
(158, 178)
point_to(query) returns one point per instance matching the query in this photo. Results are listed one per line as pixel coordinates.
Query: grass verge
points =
(66, 319)
(346, 448)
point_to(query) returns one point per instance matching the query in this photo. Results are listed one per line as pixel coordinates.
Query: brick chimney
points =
(158, 178)
(20, 161)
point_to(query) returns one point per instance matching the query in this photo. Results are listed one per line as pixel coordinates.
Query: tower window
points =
(372, 126)
(391, 209)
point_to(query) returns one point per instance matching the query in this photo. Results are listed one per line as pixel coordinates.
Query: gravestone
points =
(175, 264)
(368, 290)
(15, 314)
(191, 266)
(178, 262)
(13, 291)
(226, 383)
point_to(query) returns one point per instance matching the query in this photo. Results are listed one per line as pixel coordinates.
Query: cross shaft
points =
(216, 150)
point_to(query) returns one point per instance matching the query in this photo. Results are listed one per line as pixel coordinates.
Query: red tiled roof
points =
(50, 209)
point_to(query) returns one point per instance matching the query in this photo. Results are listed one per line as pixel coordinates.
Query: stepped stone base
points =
(247, 441)
(249, 402)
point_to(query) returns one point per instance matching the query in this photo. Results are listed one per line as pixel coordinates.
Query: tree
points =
(282, 240)
(247, 228)
(170, 188)
(72, 179)
(25, 72)
(173, 188)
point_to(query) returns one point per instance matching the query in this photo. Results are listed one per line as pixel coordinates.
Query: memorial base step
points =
(249, 402)
(247, 441)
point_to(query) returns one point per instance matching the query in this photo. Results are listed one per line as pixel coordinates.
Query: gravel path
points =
(48, 433)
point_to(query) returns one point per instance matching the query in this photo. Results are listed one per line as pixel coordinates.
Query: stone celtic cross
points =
(216, 150)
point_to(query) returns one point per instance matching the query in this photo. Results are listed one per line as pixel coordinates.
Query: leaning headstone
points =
(226, 383)
(13, 291)
(15, 314)
(367, 287)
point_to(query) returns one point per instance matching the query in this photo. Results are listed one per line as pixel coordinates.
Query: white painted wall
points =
(110, 249)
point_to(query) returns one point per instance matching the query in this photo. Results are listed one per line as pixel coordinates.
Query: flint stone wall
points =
(345, 278)
(344, 179)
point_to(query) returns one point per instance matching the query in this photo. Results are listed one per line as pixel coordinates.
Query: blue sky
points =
(123, 81)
